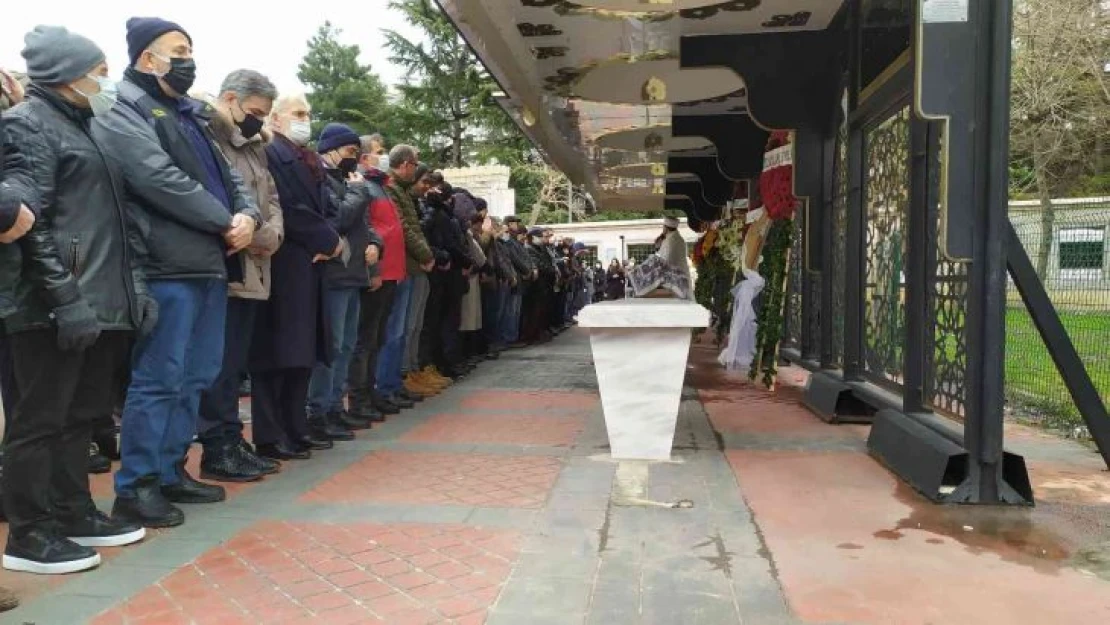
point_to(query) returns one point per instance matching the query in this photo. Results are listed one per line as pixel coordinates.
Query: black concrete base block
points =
(834, 401)
(935, 463)
(929, 462)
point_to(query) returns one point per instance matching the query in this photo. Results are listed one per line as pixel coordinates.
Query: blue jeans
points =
(393, 348)
(329, 383)
(171, 368)
(509, 324)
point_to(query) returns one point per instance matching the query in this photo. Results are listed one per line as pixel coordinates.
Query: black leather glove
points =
(148, 315)
(78, 327)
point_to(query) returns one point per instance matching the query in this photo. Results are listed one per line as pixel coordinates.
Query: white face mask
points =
(383, 162)
(102, 101)
(299, 132)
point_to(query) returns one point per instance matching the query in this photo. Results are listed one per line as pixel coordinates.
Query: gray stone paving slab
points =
(669, 607)
(615, 603)
(544, 597)
(436, 514)
(110, 581)
(62, 609)
(502, 518)
(345, 513)
(561, 566)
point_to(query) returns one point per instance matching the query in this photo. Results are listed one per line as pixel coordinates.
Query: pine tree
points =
(447, 106)
(340, 88)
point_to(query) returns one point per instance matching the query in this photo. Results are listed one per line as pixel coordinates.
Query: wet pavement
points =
(496, 503)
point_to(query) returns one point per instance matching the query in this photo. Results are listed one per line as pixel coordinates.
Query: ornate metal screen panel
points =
(886, 202)
(946, 370)
(792, 336)
(838, 266)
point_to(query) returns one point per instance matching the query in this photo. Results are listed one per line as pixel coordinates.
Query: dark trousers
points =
(536, 311)
(495, 302)
(219, 420)
(278, 412)
(373, 314)
(8, 389)
(61, 394)
(451, 353)
(431, 339)
(558, 308)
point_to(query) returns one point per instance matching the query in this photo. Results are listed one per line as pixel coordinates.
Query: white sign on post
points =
(943, 11)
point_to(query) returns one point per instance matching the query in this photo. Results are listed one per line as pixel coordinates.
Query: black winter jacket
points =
(16, 188)
(179, 224)
(446, 238)
(351, 222)
(78, 247)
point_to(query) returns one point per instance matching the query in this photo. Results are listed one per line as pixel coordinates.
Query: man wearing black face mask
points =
(193, 215)
(347, 275)
(246, 98)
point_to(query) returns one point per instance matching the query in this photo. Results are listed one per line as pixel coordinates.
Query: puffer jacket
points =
(352, 203)
(248, 158)
(17, 187)
(79, 246)
(417, 251)
(180, 224)
(385, 219)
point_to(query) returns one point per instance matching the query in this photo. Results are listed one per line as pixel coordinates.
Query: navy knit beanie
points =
(335, 136)
(142, 31)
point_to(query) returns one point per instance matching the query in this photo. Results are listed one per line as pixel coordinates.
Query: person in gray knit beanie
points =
(74, 315)
(56, 56)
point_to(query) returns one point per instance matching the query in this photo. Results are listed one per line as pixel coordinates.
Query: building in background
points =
(490, 182)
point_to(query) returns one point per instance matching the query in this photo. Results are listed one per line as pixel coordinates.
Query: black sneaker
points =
(386, 407)
(280, 451)
(98, 463)
(265, 465)
(410, 396)
(225, 462)
(401, 402)
(311, 443)
(149, 507)
(188, 490)
(47, 553)
(326, 429)
(95, 529)
(367, 413)
(353, 422)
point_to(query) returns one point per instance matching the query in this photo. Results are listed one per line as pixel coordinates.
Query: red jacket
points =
(384, 219)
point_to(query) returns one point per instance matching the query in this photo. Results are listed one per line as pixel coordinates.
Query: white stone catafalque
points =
(640, 348)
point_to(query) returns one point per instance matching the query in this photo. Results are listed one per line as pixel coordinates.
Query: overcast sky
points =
(227, 35)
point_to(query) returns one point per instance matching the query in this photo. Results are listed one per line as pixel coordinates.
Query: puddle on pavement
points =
(1009, 533)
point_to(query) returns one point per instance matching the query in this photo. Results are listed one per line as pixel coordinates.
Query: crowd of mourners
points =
(163, 253)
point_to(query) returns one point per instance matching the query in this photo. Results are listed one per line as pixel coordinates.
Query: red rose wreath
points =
(776, 183)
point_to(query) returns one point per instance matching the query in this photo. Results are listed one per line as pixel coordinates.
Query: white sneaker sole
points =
(13, 563)
(118, 540)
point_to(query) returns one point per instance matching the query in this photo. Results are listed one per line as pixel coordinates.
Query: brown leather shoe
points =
(8, 600)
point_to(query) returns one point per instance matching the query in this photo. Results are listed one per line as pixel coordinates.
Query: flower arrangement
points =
(776, 183)
(776, 186)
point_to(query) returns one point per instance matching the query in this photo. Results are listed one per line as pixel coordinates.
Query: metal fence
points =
(1068, 244)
